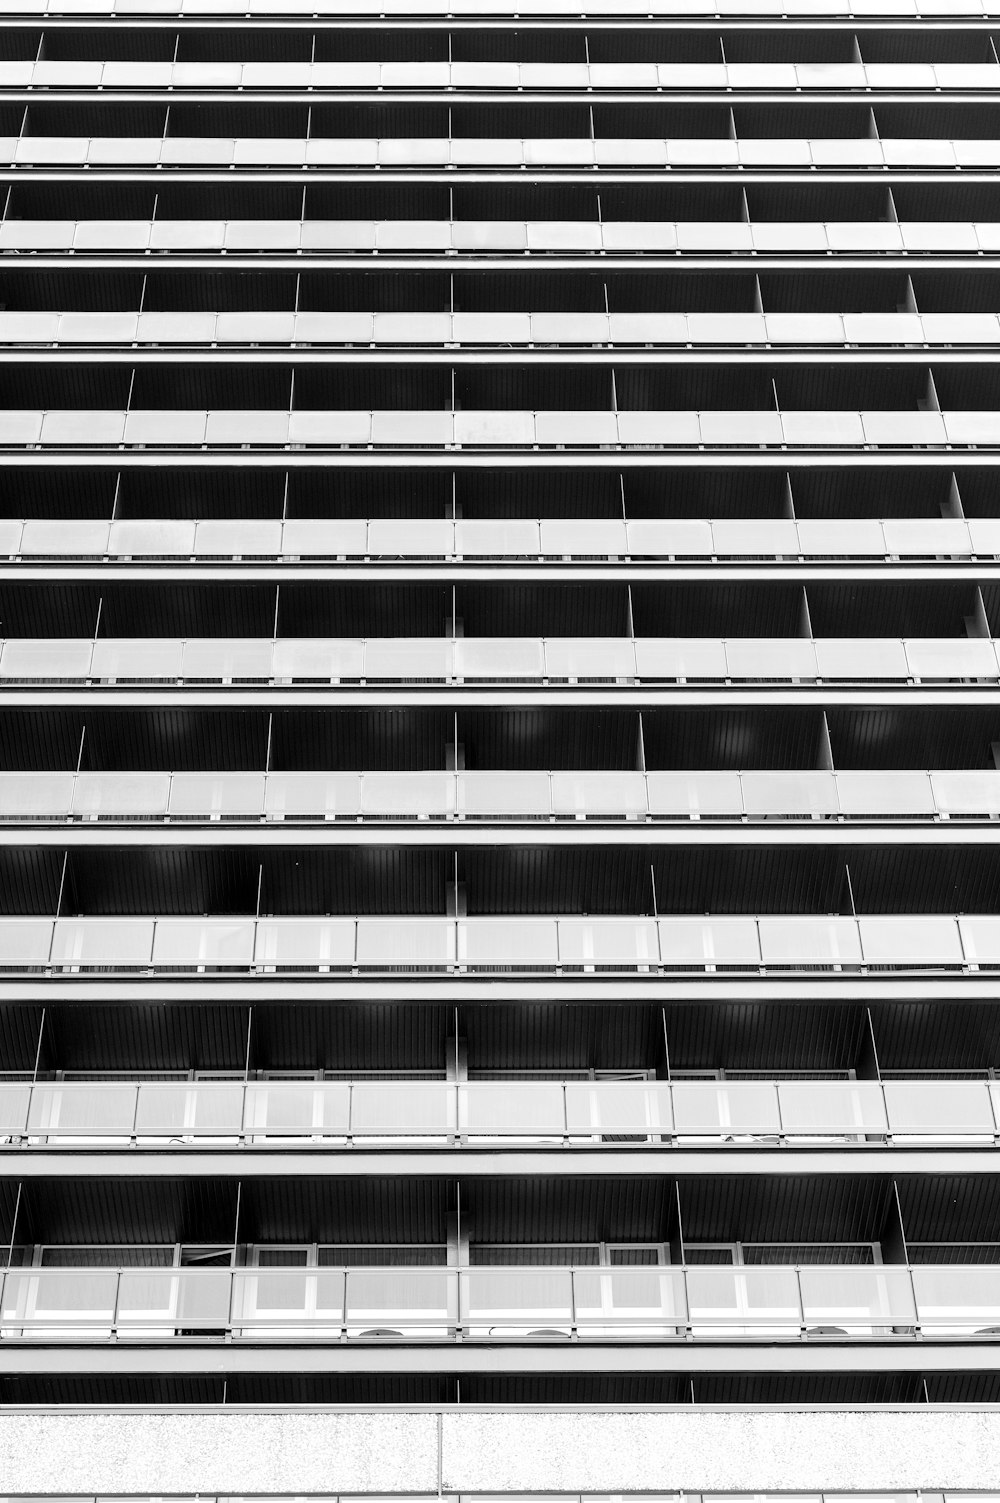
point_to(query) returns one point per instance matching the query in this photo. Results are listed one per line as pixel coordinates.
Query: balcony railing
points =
(433, 428)
(642, 153)
(497, 794)
(637, 946)
(470, 660)
(547, 538)
(522, 77)
(788, 1303)
(534, 330)
(517, 237)
(534, 1113)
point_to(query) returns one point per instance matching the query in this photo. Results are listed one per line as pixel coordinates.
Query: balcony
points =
(625, 661)
(517, 539)
(760, 1303)
(496, 795)
(599, 1114)
(631, 238)
(522, 944)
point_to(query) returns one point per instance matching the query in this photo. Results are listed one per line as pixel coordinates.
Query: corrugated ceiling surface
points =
(765, 1036)
(785, 1209)
(554, 1036)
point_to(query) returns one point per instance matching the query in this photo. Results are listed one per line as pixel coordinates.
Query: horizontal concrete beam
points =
(475, 1450)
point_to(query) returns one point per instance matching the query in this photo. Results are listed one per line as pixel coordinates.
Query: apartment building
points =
(500, 889)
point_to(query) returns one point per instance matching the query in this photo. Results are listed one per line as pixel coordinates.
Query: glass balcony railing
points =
(784, 1302)
(511, 236)
(550, 1113)
(631, 77)
(497, 152)
(614, 330)
(567, 945)
(664, 539)
(623, 661)
(422, 428)
(499, 794)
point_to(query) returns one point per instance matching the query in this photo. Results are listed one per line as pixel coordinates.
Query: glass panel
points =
(570, 328)
(806, 941)
(956, 1299)
(858, 1301)
(25, 941)
(790, 793)
(428, 794)
(290, 1301)
(144, 659)
(65, 538)
(405, 659)
(709, 941)
(697, 658)
(312, 795)
(708, 1110)
(35, 795)
(517, 1301)
(305, 942)
(419, 429)
(114, 942)
(831, 1108)
(822, 429)
(966, 792)
(405, 942)
(403, 1109)
(576, 428)
(493, 429)
(14, 1100)
(861, 658)
(687, 794)
(46, 1300)
(244, 538)
(761, 1300)
(491, 328)
(858, 538)
(226, 658)
(951, 657)
(192, 1297)
(413, 328)
(613, 794)
(510, 538)
(320, 538)
(755, 538)
(927, 537)
(206, 795)
(517, 942)
(499, 658)
(50, 658)
(582, 536)
(762, 658)
(899, 792)
(615, 1108)
(151, 539)
(485, 794)
(939, 1108)
(608, 941)
(121, 795)
(176, 328)
(395, 537)
(297, 1109)
(398, 1300)
(514, 1109)
(325, 660)
(76, 1111)
(619, 1300)
(590, 658)
(904, 940)
(208, 1109)
(980, 937)
(200, 941)
(250, 426)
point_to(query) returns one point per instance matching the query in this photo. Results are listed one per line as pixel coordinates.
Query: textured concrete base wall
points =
(501, 1451)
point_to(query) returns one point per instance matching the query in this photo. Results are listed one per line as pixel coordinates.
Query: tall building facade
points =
(499, 744)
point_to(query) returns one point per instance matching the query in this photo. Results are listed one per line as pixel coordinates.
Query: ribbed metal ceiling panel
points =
(950, 1208)
(552, 1036)
(923, 1036)
(127, 1212)
(525, 739)
(346, 1037)
(568, 1210)
(732, 740)
(765, 1036)
(146, 1037)
(789, 1208)
(406, 1210)
(537, 880)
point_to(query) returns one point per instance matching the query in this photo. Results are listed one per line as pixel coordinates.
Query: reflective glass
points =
(121, 795)
(709, 941)
(499, 658)
(608, 941)
(79, 1111)
(322, 538)
(687, 794)
(790, 793)
(618, 1107)
(35, 795)
(966, 792)
(902, 940)
(408, 658)
(485, 794)
(115, 942)
(957, 1299)
(188, 1110)
(770, 658)
(202, 941)
(312, 795)
(590, 658)
(431, 794)
(405, 942)
(617, 794)
(680, 658)
(296, 1109)
(217, 794)
(325, 660)
(512, 1301)
(884, 794)
(796, 939)
(304, 942)
(420, 1300)
(858, 1301)
(244, 538)
(762, 1300)
(516, 942)
(723, 1109)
